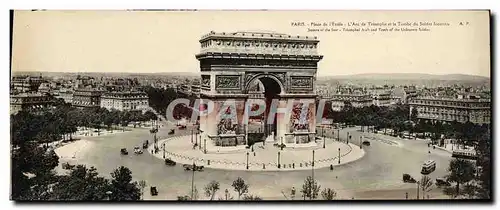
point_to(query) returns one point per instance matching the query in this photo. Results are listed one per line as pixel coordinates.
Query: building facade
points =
(25, 83)
(65, 94)
(477, 111)
(125, 101)
(87, 98)
(356, 100)
(29, 101)
(382, 99)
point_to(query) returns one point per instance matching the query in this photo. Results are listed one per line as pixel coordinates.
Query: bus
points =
(428, 167)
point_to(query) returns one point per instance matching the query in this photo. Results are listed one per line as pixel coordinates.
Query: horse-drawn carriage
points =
(189, 167)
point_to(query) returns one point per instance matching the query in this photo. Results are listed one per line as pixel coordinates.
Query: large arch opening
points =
(267, 88)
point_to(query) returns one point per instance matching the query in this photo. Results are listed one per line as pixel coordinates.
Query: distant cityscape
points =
(448, 100)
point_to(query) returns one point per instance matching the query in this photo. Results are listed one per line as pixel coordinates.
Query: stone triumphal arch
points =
(237, 66)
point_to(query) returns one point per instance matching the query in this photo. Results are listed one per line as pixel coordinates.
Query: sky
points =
(154, 42)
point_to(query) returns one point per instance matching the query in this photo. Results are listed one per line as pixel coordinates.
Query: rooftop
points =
(258, 34)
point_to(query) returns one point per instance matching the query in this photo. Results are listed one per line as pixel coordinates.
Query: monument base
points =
(226, 143)
(300, 139)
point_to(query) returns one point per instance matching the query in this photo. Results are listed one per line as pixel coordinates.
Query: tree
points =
(122, 187)
(81, 184)
(142, 185)
(240, 187)
(195, 193)
(470, 190)
(414, 115)
(425, 185)
(251, 198)
(483, 150)
(310, 188)
(328, 194)
(460, 171)
(211, 189)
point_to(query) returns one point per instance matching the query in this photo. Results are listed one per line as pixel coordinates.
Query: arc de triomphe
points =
(285, 65)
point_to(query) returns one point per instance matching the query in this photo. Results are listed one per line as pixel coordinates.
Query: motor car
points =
(172, 131)
(408, 179)
(442, 182)
(137, 150)
(170, 162)
(124, 151)
(154, 191)
(366, 143)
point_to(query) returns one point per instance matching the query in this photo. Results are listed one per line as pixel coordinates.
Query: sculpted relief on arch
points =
(281, 76)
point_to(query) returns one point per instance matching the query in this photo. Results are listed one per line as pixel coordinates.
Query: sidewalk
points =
(180, 150)
(451, 147)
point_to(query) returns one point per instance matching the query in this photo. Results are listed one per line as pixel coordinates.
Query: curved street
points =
(377, 175)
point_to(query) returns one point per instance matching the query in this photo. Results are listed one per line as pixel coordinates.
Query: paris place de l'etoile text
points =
(352, 26)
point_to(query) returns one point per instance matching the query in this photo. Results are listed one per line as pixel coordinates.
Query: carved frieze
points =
(301, 82)
(228, 82)
(248, 78)
(281, 77)
(262, 44)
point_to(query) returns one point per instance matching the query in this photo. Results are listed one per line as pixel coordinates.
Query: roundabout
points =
(377, 175)
(261, 157)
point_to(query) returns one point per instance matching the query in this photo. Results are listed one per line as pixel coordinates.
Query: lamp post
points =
(196, 138)
(279, 165)
(418, 189)
(312, 166)
(205, 145)
(200, 132)
(192, 136)
(192, 181)
(324, 142)
(339, 155)
(360, 142)
(247, 160)
(338, 134)
(347, 138)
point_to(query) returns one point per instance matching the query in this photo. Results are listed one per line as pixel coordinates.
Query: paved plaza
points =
(373, 176)
(263, 158)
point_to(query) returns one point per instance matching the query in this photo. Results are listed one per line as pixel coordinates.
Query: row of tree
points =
(397, 118)
(310, 190)
(160, 99)
(33, 162)
(472, 180)
(61, 122)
